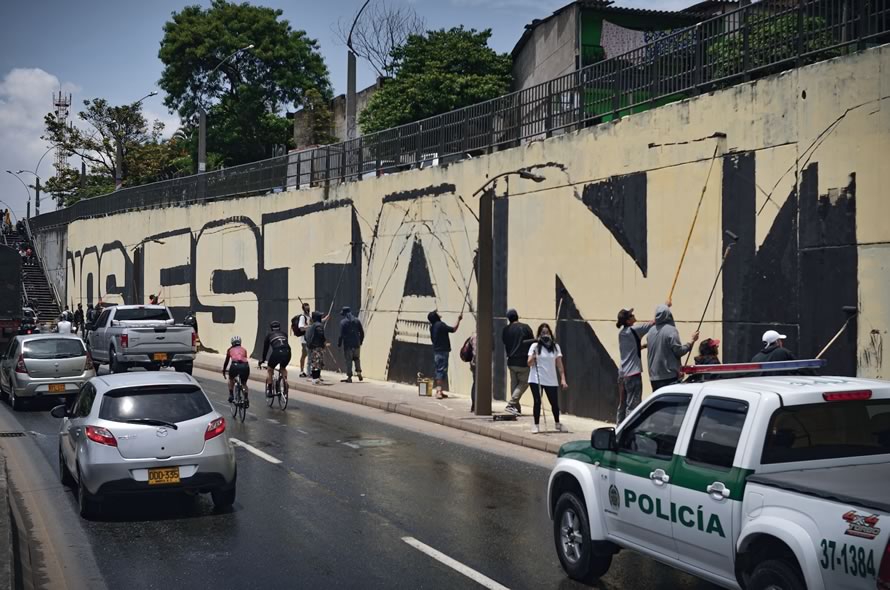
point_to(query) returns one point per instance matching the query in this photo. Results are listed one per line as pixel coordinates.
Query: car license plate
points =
(166, 475)
(56, 387)
(160, 356)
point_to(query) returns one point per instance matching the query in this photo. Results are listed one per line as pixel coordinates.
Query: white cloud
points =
(26, 96)
(171, 122)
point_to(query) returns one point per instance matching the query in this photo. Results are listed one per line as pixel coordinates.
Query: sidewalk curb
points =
(474, 427)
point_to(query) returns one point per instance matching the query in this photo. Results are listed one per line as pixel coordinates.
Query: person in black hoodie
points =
(517, 337)
(773, 349)
(316, 342)
(352, 334)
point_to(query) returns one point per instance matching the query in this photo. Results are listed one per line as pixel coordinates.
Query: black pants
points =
(658, 384)
(552, 392)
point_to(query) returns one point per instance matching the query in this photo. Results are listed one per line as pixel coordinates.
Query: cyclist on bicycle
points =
(276, 352)
(237, 354)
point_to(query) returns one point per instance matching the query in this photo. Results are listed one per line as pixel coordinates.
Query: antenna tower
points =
(62, 105)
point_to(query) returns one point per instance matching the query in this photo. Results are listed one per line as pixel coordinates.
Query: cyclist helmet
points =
(236, 340)
(276, 325)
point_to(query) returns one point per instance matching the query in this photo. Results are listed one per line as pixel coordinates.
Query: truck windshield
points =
(141, 313)
(830, 430)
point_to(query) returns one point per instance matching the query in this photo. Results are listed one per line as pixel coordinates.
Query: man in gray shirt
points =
(630, 369)
(665, 349)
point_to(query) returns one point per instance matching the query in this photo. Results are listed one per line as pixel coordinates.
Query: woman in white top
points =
(545, 362)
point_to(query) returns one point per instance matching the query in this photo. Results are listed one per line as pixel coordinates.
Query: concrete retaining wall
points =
(800, 177)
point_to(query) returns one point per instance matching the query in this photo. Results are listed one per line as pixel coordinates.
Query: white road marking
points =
(255, 451)
(273, 421)
(457, 566)
(352, 445)
(301, 431)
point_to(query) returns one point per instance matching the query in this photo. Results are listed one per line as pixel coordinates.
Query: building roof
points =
(606, 6)
(707, 6)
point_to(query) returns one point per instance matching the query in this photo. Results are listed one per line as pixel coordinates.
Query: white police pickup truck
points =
(770, 482)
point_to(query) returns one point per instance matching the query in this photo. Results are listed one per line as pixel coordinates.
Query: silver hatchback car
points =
(44, 365)
(144, 432)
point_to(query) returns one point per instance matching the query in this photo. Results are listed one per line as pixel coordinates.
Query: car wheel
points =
(115, 365)
(224, 498)
(86, 502)
(64, 474)
(17, 403)
(571, 532)
(776, 574)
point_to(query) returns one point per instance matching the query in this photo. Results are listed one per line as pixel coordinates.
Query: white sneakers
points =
(535, 429)
(560, 427)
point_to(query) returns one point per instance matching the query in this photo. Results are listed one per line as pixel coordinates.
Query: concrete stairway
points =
(35, 287)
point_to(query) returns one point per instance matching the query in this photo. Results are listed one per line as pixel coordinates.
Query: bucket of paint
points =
(424, 386)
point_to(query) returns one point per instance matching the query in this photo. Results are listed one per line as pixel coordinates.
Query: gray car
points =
(144, 432)
(44, 365)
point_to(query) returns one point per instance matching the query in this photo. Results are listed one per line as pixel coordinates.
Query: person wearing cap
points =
(773, 349)
(630, 369)
(665, 349)
(439, 335)
(352, 334)
(708, 352)
(517, 337)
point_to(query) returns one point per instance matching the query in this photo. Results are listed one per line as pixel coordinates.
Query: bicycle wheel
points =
(270, 399)
(282, 397)
(236, 395)
(242, 408)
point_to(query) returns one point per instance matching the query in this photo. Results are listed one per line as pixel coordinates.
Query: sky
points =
(109, 49)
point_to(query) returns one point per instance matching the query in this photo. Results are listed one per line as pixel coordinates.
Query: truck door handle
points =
(719, 489)
(659, 477)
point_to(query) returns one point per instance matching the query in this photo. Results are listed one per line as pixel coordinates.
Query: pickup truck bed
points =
(860, 485)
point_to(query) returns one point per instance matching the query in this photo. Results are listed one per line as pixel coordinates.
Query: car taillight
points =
(215, 428)
(884, 570)
(88, 363)
(101, 435)
(847, 396)
(125, 340)
(20, 365)
(194, 340)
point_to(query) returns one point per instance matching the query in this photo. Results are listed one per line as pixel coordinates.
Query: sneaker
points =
(360, 377)
(347, 380)
(560, 427)
(536, 429)
(303, 375)
(246, 404)
(316, 381)
(269, 393)
(231, 399)
(514, 409)
(441, 395)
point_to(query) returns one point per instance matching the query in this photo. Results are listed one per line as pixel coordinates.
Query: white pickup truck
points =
(127, 336)
(771, 482)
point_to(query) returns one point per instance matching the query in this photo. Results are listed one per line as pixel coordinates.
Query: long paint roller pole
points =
(851, 312)
(733, 239)
(692, 227)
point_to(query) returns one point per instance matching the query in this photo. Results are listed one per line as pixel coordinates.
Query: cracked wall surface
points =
(799, 177)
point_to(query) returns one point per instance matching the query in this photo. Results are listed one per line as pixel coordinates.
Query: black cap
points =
(623, 316)
(345, 310)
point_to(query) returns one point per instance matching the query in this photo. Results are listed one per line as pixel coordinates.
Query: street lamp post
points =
(119, 148)
(485, 286)
(350, 78)
(27, 189)
(36, 189)
(202, 115)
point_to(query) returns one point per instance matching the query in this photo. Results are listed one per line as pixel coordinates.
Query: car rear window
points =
(54, 348)
(170, 404)
(829, 430)
(141, 313)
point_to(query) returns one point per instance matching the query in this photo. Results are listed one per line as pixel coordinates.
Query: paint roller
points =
(851, 311)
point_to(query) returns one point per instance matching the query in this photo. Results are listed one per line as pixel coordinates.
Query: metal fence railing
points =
(756, 40)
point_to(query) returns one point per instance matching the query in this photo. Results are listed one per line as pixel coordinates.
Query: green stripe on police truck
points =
(690, 517)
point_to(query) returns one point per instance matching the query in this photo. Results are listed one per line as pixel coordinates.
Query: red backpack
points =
(466, 351)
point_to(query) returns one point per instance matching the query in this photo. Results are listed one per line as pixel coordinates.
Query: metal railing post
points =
(616, 91)
(746, 45)
(863, 24)
(548, 123)
(361, 157)
(801, 6)
(299, 160)
(698, 51)
(327, 166)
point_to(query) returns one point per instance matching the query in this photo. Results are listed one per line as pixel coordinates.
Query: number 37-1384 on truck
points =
(768, 482)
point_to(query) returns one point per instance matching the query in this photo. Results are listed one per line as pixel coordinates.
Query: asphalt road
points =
(351, 485)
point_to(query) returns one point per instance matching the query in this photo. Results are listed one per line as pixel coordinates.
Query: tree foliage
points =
(319, 121)
(435, 73)
(245, 96)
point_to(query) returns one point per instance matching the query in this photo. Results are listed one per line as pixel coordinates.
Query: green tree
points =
(435, 73)
(244, 97)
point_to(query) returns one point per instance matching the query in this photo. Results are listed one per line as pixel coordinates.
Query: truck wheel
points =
(184, 368)
(115, 365)
(153, 367)
(776, 574)
(571, 532)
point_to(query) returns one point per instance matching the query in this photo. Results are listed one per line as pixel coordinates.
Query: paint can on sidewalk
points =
(424, 386)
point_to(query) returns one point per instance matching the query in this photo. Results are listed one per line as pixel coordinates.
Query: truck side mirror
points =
(603, 439)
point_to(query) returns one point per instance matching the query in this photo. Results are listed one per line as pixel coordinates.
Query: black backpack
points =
(295, 326)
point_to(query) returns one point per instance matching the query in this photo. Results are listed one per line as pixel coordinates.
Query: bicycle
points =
(238, 403)
(279, 389)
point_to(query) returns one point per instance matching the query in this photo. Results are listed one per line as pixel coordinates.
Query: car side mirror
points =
(59, 412)
(603, 439)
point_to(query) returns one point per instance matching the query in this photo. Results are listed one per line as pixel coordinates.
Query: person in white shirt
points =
(64, 326)
(547, 373)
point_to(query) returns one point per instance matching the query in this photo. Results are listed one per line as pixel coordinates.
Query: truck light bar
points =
(751, 367)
